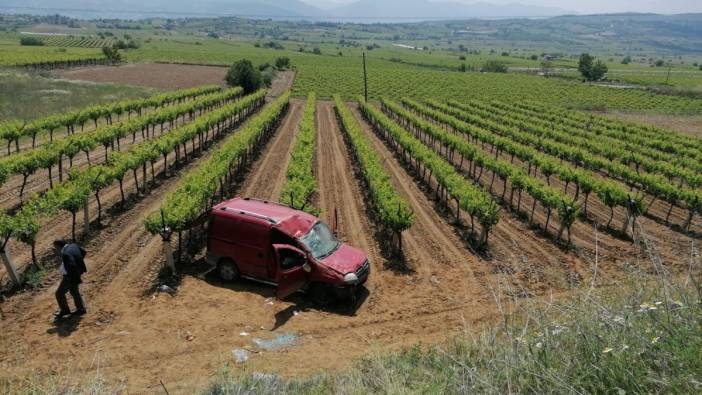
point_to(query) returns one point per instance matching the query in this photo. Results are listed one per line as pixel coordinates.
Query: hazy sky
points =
(583, 6)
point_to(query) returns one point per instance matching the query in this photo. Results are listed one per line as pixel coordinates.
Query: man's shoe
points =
(60, 316)
(79, 312)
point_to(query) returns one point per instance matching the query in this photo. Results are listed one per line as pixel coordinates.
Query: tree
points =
(111, 54)
(494, 66)
(282, 63)
(546, 68)
(590, 69)
(244, 74)
(626, 60)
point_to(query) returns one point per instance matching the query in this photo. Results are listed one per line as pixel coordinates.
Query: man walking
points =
(72, 267)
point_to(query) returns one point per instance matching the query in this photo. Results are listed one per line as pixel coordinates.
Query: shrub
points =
(494, 66)
(282, 63)
(31, 41)
(112, 54)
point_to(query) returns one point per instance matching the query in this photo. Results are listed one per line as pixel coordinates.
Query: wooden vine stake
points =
(86, 218)
(10, 266)
(166, 239)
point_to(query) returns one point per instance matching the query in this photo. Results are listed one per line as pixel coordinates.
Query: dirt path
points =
(268, 176)
(519, 262)
(282, 82)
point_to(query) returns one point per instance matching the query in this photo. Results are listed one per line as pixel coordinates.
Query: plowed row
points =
(447, 289)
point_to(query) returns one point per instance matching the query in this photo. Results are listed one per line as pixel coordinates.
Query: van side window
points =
(278, 237)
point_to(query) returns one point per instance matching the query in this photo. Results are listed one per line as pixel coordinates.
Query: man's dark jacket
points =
(72, 256)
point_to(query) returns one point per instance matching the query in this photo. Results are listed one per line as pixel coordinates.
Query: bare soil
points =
(688, 124)
(440, 289)
(154, 75)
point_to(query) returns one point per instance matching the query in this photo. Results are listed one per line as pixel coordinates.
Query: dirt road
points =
(268, 175)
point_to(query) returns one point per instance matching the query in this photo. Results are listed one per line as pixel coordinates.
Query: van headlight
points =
(351, 278)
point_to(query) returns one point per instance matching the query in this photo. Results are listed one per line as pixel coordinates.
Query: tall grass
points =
(40, 384)
(28, 96)
(640, 337)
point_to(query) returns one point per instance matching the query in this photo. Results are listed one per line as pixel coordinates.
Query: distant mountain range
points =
(293, 9)
(440, 10)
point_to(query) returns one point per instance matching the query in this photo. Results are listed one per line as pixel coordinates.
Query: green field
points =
(331, 73)
(12, 53)
(42, 96)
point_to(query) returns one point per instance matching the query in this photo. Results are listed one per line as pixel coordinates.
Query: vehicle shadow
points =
(300, 301)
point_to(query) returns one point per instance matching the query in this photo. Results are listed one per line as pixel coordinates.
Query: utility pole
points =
(365, 78)
(668, 76)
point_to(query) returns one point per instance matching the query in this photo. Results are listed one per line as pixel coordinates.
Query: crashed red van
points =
(290, 249)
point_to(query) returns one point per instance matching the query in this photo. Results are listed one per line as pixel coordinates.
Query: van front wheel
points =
(228, 271)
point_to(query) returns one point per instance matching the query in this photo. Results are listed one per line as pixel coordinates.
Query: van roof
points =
(293, 222)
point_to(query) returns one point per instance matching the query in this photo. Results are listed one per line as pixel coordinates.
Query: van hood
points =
(345, 259)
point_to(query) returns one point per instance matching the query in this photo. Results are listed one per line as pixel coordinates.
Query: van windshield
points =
(320, 241)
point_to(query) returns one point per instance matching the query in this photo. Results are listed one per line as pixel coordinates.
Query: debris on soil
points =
(166, 289)
(281, 341)
(243, 333)
(189, 336)
(240, 355)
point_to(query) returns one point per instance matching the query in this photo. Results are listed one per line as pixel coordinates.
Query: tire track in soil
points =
(268, 177)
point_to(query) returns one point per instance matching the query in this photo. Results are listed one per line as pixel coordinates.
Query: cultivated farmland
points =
(444, 161)
(471, 194)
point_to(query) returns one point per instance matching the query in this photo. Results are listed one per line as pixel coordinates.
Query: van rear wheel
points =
(228, 271)
(321, 295)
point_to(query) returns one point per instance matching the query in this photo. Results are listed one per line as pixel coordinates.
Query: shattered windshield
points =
(320, 241)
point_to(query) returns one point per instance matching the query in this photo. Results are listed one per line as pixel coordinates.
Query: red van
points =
(290, 249)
